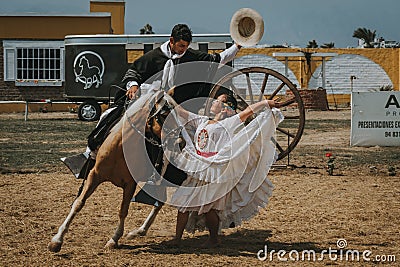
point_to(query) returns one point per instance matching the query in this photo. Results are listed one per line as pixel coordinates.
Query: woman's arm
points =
(182, 112)
(253, 108)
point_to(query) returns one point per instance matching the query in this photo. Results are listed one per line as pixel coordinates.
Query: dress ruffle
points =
(237, 206)
(251, 146)
(234, 182)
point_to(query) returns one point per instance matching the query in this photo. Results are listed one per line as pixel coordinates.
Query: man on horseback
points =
(117, 150)
(163, 61)
(158, 70)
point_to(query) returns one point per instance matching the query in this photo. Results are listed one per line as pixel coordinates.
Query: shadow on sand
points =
(244, 243)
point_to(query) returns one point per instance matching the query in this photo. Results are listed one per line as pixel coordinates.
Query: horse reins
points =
(157, 116)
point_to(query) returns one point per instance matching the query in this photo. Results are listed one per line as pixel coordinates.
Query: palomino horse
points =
(111, 163)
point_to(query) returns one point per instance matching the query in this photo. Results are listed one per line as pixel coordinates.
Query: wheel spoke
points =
(292, 117)
(288, 102)
(235, 89)
(237, 93)
(277, 90)
(285, 132)
(278, 146)
(249, 88)
(263, 86)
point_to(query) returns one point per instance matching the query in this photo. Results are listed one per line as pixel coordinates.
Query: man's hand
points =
(131, 92)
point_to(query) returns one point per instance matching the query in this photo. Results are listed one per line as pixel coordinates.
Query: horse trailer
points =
(95, 64)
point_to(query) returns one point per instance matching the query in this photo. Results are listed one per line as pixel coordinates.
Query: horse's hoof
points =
(111, 244)
(54, 246)
(135, 233)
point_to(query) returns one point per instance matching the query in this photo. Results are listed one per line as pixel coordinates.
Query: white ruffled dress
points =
(227, 168)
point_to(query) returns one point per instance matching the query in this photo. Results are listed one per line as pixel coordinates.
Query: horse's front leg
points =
(90, 185)
(129, 189)
(142, 230)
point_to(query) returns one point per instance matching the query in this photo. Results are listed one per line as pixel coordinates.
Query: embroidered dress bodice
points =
(212, 137)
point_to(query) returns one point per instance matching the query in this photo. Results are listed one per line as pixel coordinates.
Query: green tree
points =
(312, 44)
(328, 45)
(366, 35)
(147, 29)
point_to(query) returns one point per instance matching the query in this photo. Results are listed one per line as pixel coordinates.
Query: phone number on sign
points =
(392, 134)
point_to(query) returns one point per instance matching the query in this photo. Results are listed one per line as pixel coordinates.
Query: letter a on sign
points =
(392, 101)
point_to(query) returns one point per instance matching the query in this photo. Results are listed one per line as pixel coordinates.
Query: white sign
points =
(375, 118)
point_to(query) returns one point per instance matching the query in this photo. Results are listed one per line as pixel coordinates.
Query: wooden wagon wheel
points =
(251, 85)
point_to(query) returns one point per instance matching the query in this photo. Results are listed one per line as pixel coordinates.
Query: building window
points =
(34, 63)
(38, 64)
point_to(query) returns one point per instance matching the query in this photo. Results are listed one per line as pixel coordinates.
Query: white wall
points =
(257, 60)
(370, 76)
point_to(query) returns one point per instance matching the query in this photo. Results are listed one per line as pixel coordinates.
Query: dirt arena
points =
(310, 211)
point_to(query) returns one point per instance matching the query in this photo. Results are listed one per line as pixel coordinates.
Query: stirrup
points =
(89, 164)
(79, 164)
(148, 192)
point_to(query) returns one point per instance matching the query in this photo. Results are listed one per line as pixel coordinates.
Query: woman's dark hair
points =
(181, 32)
(231, 101)
(230, 98)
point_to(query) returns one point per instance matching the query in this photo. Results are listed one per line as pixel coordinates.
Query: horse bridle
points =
(159, 115)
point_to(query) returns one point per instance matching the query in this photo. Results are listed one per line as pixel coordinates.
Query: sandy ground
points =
(310, 211)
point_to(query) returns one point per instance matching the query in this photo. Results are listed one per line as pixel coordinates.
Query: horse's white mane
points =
(148, 99)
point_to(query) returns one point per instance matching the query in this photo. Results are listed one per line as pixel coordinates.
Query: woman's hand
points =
(253, 108)
(274, 103)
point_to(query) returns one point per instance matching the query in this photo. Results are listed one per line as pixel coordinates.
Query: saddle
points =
(100, 133)
(103, 128)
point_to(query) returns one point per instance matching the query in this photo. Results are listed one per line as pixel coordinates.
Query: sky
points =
(292, 22)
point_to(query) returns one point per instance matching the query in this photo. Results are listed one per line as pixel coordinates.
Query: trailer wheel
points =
(89, 111)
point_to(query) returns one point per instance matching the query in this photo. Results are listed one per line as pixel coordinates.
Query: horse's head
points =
(161, 106)
(83, 62)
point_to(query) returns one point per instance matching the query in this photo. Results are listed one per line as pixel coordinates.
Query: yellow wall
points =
(387, 58)
(117, 10)
(132, 55)
(52, 27)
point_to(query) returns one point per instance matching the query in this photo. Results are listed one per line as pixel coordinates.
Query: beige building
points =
(32, 48)
(116, 9)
